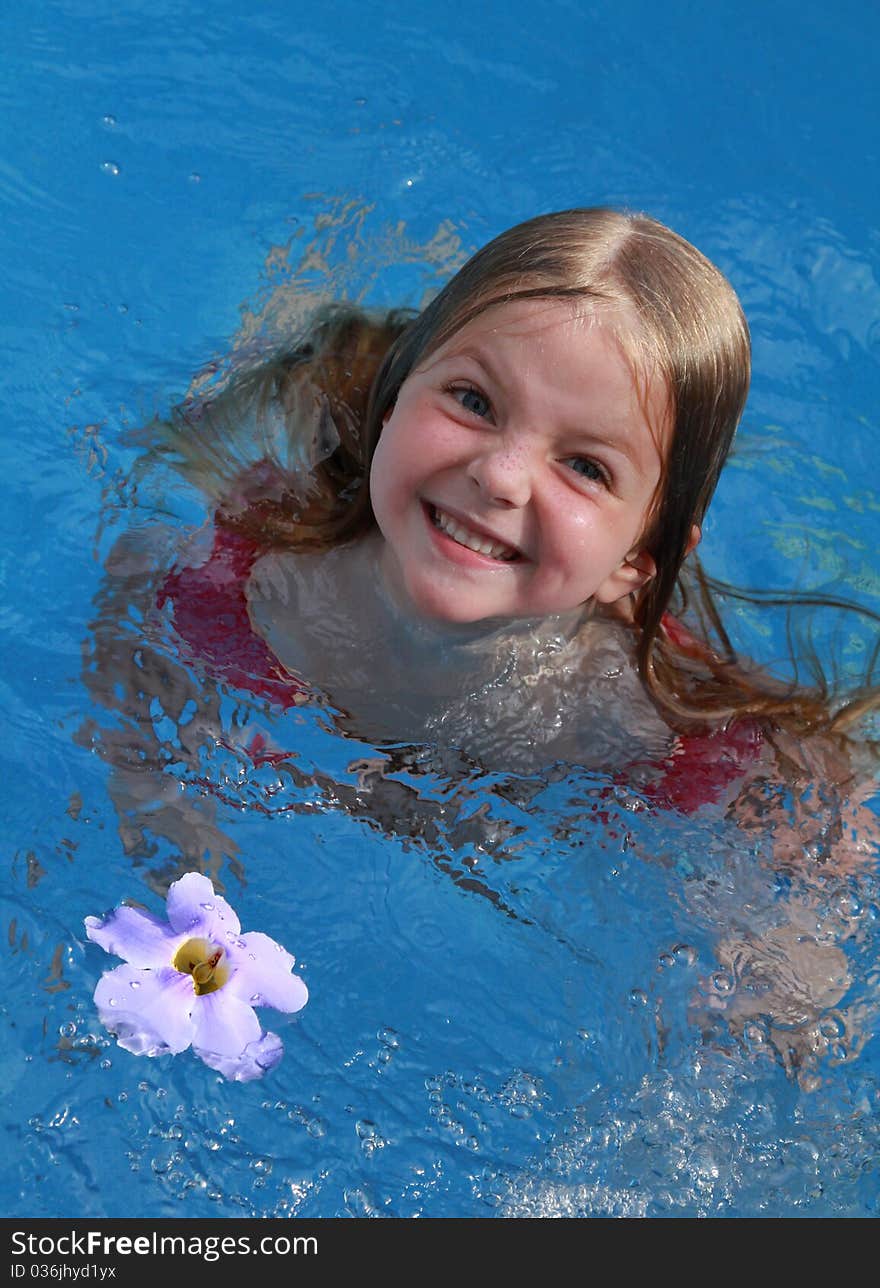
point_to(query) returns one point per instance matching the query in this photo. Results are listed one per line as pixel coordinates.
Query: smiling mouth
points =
(469, 538)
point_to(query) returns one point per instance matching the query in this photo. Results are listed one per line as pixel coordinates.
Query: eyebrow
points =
(475, 354)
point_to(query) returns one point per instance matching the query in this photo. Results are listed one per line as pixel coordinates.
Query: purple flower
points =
(194, 980)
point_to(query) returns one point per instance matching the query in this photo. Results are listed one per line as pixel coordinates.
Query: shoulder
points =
(207, 602)
(702, 768)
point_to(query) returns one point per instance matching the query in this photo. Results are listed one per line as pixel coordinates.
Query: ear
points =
(636, 570)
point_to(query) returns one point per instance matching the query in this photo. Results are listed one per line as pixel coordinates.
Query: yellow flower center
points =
(205, 962)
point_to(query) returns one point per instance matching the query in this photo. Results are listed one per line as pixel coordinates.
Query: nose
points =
(503, 475)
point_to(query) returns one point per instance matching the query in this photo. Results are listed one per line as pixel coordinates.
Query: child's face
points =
(514, 474)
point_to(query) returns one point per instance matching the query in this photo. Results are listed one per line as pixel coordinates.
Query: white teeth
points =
(472, 540)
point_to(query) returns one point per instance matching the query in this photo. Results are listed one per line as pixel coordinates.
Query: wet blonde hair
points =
(690, 333)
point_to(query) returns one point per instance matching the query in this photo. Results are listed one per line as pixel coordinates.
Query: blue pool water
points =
(515, 1010)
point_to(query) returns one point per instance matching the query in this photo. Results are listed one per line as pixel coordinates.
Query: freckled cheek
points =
(416, 443)
(438, 442)
(602, 526)
(570, 530)
(384, 486)
(395, 495)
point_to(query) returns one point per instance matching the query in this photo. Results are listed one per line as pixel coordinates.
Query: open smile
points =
(481, 543)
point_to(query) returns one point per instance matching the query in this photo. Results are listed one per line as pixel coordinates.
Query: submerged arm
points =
(158, 718)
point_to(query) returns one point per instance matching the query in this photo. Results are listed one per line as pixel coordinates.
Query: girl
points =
(466, 534)
(469, 528)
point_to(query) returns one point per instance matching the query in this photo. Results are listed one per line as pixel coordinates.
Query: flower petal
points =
(194, 909)
(149, 1011)
(262, 974)
(256, 1059)
(223, 1025)
(136, 936)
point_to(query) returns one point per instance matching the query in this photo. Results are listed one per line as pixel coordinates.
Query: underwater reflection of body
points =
(454, 636)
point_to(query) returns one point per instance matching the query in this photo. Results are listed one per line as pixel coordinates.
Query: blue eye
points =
(472, 400)
(588, 469)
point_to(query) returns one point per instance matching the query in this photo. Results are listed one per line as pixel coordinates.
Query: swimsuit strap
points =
(701, 766)
(210, 614)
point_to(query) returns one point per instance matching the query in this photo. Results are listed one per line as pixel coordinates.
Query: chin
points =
(432, 604)
(448, 614)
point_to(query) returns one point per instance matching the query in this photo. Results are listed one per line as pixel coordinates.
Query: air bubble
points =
(849, 906)
(108, 120)
(195, 177)
(67, 1030)
(208, 907)
(256, 999)
(134, 983)
(516, 1110)
(110, 167)
(754, 1034)
(359, 1202)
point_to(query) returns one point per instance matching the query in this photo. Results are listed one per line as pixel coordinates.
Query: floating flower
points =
(194, 980)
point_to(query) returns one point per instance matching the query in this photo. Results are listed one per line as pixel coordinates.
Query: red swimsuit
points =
(211, 617)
